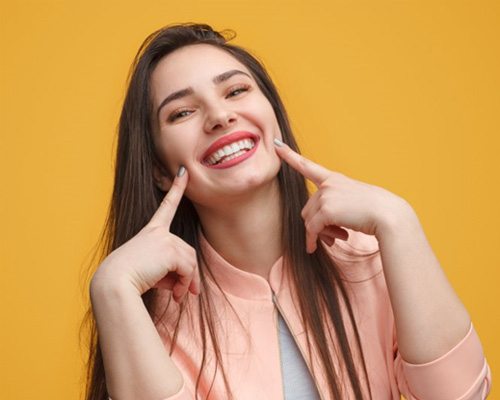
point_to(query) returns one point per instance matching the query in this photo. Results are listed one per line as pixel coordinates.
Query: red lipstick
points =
(228, 139)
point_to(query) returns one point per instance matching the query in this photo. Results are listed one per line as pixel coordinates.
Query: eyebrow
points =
(189, 90)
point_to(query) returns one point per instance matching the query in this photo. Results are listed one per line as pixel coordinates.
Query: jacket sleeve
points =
(460, 374)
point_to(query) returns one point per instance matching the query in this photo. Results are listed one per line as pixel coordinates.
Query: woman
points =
(238, 284)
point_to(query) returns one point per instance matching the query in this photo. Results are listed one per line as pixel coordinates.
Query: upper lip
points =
(228, 139)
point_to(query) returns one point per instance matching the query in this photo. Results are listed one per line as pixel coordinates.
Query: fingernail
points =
(181, 171)
(278, 142)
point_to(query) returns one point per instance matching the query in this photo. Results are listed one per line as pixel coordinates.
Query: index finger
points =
(166, 211)
(312, 171)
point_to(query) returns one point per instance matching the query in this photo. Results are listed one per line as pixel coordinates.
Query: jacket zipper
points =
(276, 304)
(279, 345)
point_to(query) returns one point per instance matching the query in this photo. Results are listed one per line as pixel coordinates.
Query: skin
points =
(412, 271)
(430, 319)
(242, 203)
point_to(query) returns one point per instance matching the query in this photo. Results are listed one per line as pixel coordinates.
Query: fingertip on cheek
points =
(278, 142)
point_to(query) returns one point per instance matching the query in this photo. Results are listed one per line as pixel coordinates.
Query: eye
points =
(237, 90)
(180, 114)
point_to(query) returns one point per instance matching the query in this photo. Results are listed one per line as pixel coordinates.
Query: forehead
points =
(194, 66)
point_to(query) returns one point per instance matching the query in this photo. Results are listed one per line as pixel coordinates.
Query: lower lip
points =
(236, 160)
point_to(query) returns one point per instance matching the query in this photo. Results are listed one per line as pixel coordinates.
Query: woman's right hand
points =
(156, 258)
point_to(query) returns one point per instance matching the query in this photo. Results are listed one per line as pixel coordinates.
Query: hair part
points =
(314, 277)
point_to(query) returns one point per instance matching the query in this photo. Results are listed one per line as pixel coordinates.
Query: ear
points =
(161, 178)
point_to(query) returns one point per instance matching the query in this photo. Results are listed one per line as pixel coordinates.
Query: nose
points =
(219, 118)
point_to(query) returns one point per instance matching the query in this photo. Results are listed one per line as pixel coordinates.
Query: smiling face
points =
(211, 117)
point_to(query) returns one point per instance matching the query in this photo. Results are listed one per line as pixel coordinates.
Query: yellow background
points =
(401, 94)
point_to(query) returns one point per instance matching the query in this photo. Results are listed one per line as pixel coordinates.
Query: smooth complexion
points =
(240, 202)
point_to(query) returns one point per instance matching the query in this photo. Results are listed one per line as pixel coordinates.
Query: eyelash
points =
(242, 88)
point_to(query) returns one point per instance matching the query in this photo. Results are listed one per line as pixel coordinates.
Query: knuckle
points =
(338, 177)
(302, 162)
(325, 184)
(324, 203)
(194, 265)
(323, 212)
(192, 251)
(192, 254)
(331, 181)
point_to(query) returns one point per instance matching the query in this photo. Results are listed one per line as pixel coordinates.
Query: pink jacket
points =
(252, 361)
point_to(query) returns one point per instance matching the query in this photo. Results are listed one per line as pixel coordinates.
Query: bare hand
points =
(340, 202)
(155, 257)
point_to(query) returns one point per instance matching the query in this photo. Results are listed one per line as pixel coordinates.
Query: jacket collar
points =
(358, 260)
(240, 283)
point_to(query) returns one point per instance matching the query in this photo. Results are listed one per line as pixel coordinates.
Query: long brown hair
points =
(315, 277)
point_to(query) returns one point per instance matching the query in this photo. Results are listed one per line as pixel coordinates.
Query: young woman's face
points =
(212, 118)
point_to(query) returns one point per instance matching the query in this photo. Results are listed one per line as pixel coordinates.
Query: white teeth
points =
(239, 153)
(235, 148)
(219, 154)
(230, 151)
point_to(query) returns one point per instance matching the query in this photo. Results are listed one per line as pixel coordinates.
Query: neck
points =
(246, 232)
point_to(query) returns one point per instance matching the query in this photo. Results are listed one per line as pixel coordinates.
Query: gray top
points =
(297, 381)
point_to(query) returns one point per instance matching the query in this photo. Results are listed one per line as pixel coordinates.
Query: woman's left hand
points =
(342, 202)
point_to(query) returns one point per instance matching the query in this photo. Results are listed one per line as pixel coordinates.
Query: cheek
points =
(167, 157)
(263, 115)
(270, 120)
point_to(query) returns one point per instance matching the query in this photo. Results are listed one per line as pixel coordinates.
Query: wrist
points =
(106, 281)
(400, 218)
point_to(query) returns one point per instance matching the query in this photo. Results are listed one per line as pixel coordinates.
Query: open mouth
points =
(229, 152)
